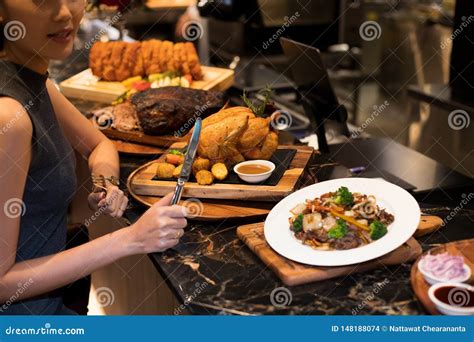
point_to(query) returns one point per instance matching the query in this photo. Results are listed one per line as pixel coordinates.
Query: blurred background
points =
(385, 53)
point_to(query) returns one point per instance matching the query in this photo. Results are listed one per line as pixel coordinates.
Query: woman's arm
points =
(157, 230)
(92, 144)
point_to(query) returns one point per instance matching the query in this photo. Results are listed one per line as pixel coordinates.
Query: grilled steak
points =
(125, 118)
(172, 110)
(122, 117)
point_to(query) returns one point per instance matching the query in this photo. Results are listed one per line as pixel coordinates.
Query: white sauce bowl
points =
(255, 178)
(431, 279)
(448, 309)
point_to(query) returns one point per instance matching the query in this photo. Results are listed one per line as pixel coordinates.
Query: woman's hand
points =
(159, 228)
(113, 203)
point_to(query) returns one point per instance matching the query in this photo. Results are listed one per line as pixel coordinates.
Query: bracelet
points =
(113, 180)
(99, 182)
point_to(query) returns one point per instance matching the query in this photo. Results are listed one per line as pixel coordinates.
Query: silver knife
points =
(188, 162)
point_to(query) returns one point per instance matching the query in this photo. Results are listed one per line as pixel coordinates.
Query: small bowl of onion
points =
(439, 268)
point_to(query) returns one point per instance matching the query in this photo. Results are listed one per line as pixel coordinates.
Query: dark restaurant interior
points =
(369, 89)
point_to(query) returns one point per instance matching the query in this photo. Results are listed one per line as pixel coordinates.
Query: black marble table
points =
(212, 272)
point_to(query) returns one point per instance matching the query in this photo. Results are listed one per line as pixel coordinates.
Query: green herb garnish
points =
(258, 110)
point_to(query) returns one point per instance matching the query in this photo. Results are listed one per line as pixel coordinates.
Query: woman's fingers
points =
(115, 202)
(175, 211)
(165, 201)
(102, 203)
(122, 207)
(171, 233)
(166, 244)
(94, 200)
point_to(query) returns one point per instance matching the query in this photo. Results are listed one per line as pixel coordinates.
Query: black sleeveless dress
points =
(50, 184)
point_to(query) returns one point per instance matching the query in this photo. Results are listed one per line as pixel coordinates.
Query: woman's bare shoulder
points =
(14, 119)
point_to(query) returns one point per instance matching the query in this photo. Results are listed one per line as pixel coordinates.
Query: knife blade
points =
(188, 162)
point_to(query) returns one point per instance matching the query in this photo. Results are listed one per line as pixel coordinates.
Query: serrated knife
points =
(188, 162)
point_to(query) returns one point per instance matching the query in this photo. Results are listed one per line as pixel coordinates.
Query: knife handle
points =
(178, 191)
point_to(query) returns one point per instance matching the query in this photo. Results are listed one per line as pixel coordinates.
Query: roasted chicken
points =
(235, 134)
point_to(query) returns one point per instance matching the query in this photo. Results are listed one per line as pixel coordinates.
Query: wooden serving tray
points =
(85, 85)
(136, 149)
(140, 182)
(419, 284)
(216, 210)
(162, 141)
(292, 273)
(169, 4)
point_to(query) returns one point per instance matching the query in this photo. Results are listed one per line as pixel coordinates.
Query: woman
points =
(39, 129)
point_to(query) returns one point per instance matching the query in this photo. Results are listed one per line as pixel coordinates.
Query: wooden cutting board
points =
(292, 273)
(216, 210)
(161, 141)
(86, 86)
(464, 248)
(169, 4)
(141, 182)
(137, 149)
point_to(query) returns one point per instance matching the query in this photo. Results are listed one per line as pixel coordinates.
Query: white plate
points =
(394, 199)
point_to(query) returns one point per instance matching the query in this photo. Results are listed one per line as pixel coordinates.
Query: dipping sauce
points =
(455, 296)
(253, 169)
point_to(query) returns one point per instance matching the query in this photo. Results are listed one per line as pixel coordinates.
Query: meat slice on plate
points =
(125, 118)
